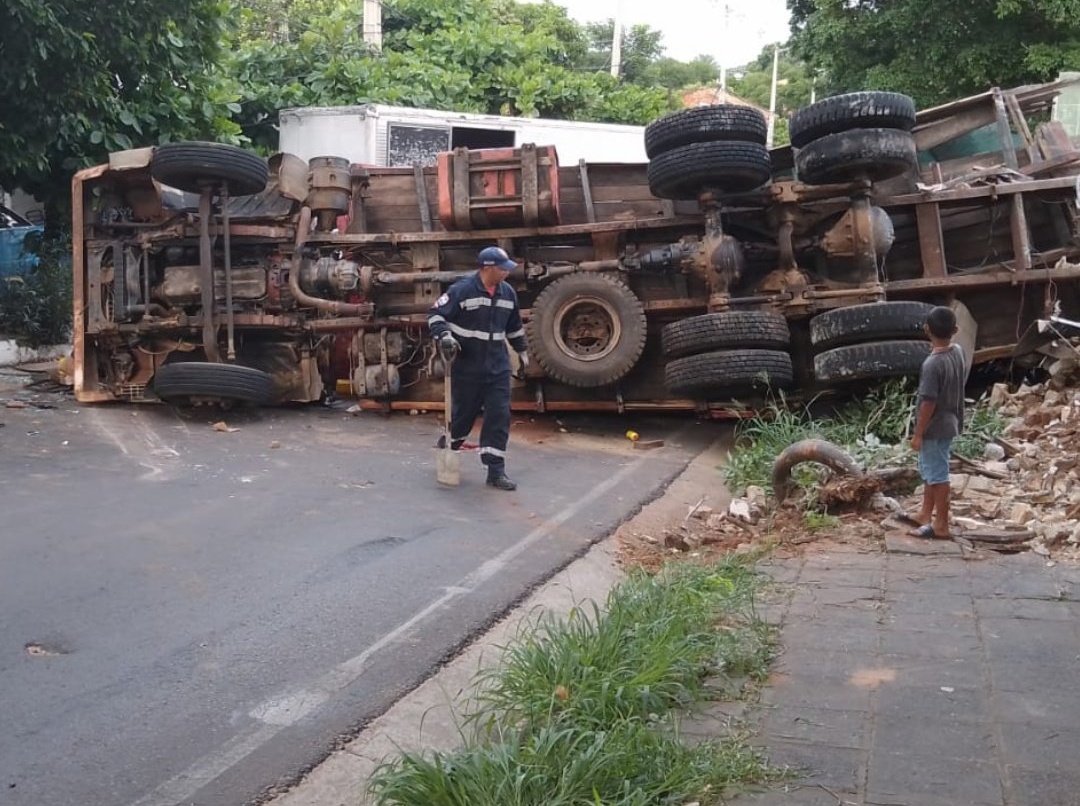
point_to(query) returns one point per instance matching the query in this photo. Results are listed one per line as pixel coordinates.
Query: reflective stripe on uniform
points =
(504, 303)
(458, 330)
(493, 452)
(476, 302)
(516, 334)
(435, 318)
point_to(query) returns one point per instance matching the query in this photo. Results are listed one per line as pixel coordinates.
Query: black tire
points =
(720, 374)
(763, 330)
(863, 362)
(587, 329)
(877, 321)
(856, 110)
(187, 166)
(876, 154)
(704, 124)
(728, 166)
(228, 382)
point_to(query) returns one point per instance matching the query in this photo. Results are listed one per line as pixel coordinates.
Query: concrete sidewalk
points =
(924, 681)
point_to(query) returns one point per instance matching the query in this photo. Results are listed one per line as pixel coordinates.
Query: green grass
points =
(817, 521)
(580, 709)
(873, 429)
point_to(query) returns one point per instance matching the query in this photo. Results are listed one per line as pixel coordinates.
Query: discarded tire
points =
(587, 329)
(876, 154)
(227, 382)
(728, 372)
(860, 362)
(711, 331)
(704, 124)
(855, 110)
(730, 167)
(876, 321)
(190, 165)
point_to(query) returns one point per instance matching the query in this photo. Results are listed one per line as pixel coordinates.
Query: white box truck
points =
(389, 136)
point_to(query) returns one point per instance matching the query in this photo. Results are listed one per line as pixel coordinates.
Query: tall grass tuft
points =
(579, 710)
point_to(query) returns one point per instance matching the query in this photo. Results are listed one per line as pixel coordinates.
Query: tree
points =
(490, 56)
(753, 82)
(82, 79)
(675, 75)
(935, 50)
(641, 46)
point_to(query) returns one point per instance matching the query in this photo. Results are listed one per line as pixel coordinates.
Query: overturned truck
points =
(711, 274)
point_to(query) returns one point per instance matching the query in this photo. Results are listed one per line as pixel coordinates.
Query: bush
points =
(36, 309)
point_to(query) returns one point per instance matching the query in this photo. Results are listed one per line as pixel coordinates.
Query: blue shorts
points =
(934, 460)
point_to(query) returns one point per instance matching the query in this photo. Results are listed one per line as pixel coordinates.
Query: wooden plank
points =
(964, 194)
(1004, 131)
(990, 278)
(935, 134)
(931, 240)
(422, 199)
(586, 190)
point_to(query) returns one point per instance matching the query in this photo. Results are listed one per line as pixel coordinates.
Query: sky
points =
(695, 27)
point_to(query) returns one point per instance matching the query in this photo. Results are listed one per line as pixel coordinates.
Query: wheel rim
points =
(587, 328)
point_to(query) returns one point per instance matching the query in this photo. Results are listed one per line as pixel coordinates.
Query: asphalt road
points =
(191, 616)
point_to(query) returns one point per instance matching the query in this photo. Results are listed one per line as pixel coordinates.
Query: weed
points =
(816, 521)
(983, 424)
(579, 710)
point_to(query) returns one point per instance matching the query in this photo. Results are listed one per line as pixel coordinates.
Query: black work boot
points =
(500, 481)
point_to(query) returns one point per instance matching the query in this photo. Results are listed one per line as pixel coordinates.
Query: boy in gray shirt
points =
(940, 419)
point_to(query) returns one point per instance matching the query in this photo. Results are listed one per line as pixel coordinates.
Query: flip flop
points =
(927, 533)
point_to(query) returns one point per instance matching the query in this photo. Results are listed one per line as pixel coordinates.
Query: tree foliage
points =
(82, 79)
(936, 50)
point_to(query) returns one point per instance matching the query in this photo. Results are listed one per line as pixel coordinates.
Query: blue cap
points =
(494, 256)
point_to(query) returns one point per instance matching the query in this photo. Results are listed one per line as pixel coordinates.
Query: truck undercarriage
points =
(706, 277)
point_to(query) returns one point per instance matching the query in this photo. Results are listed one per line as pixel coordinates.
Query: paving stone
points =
(784, 572)
(908, 583)
(957, 624)
(1026, 609)
(909, 778)
(1033, 706)
(940, 738)
(946, 603)
(838, 768)
(825, 694)
(803, 666)
(1042, 787)
(794, 795)
(810, 596)
(923, 644)
(902, 544)
(822, 726)
(961, 704)
(1040, 746)
(1018, 583)
(1018, 641)
(838, 617)
(843, 577)
(934, 672)
(826, 638)
(1034, 673)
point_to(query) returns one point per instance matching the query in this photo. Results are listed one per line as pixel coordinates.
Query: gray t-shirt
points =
(942, 380)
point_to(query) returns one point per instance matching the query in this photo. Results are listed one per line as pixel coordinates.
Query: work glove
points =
(523, 365)
(448, 347)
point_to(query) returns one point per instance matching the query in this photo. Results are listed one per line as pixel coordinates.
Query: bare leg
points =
(941, 495)
(927, 511)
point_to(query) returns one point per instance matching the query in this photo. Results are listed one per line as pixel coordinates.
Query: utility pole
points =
(772, 97)
(723, 53)
(616, 41)
(373, 23)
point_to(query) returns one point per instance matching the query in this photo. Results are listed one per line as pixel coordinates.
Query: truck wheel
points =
(728, 166)
(721, 374)
(855, 110)
(876, 154)
(704, 124)
(876, 321)
(587, 329)
(699, 334)
(226, 382)
(187, 166)
(862, 362)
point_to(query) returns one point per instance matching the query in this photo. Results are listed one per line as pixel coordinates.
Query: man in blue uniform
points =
(470, 324)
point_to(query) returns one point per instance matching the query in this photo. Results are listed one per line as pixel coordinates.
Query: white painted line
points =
(146, 448)
(276, 714)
